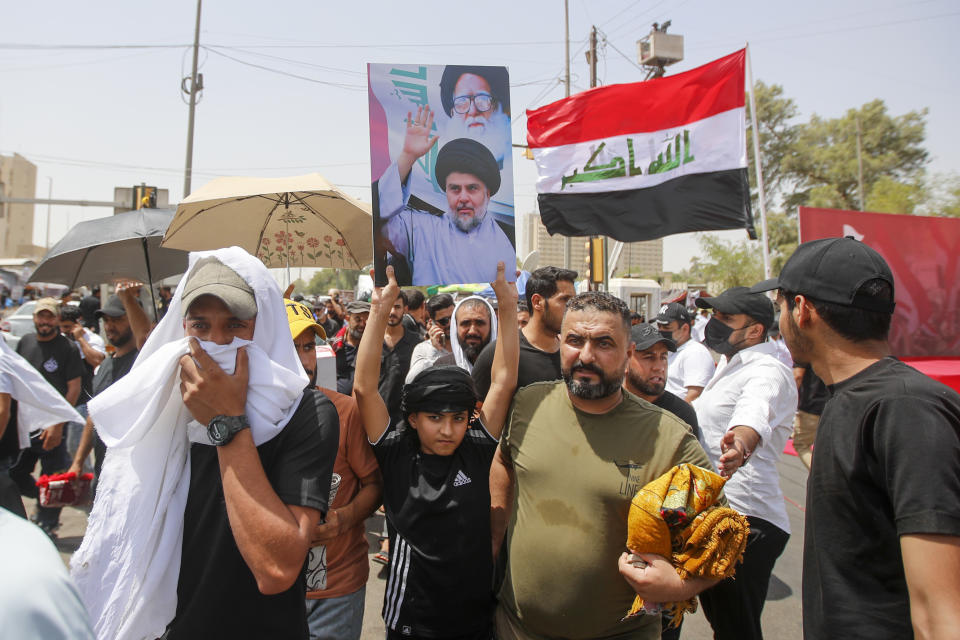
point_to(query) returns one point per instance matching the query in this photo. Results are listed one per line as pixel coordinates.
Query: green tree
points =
(822, 163)
(729, 263)
(326, 279)
(778, 135)
(943, 197)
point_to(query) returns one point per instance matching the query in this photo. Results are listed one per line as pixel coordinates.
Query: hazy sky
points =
(92, 118)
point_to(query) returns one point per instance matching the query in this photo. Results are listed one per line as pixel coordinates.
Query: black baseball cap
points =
(113, 308)
(647, 335)
(674, 311)
(834, 270)
(741, 300)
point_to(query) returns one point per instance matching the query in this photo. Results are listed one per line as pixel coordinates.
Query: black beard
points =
(605, 388)
(643, 386)
(44, 331)
(472, 351)
(122, 340)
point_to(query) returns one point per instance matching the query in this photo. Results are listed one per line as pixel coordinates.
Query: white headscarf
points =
(128, 565)
(39, 405)
(458, 354)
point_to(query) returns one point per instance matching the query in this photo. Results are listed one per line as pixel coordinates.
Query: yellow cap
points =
(300, 318)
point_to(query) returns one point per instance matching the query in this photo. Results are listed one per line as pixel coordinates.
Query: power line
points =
(340, 85)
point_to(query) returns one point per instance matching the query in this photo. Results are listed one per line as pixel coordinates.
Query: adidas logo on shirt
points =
(461, 479)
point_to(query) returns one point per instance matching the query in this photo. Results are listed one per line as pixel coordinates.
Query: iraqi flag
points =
(646, 160)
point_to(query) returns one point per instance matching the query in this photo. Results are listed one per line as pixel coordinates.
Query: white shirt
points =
(783, 353)
(37, 597)
(691, 365)
(754, 389)
(699, 326)
(425, 355)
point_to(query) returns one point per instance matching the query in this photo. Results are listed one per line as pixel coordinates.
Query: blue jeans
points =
(337, 618)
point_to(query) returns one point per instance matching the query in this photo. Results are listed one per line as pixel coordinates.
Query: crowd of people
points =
(504, 440)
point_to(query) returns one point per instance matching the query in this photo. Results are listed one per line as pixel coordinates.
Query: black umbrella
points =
(124, 246)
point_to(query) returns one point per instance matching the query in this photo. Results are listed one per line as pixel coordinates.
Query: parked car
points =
(18, 324)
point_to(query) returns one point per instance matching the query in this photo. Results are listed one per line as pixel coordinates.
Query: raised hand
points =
(506, 292)
(384, 297)
(417, 141)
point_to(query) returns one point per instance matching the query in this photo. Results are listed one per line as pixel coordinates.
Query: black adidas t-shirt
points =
(440, 582)
(217, 595)
(886, 464)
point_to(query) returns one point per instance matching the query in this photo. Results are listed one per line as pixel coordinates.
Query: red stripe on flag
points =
(640, 107)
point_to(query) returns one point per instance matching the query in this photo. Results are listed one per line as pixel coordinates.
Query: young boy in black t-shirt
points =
(436, 465)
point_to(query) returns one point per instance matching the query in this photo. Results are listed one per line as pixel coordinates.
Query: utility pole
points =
(859, 163)
(195, 86)
(567, 250)
(592, 59)
(49, 197)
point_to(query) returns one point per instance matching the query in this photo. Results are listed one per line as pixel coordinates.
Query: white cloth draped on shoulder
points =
(39, 405)
(129, 562)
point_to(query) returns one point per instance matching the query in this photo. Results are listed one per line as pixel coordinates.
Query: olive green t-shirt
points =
(575, 476)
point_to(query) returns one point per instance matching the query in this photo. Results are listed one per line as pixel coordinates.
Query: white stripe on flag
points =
(716, 143)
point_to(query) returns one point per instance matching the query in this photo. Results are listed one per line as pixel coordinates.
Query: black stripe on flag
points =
(697, 202)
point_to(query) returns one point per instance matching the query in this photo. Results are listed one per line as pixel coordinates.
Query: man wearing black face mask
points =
(691, 365)
(746, 413)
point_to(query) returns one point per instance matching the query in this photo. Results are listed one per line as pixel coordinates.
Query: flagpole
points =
(756, 159)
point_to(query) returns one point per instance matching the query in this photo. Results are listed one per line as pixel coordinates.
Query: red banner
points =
(924, 255)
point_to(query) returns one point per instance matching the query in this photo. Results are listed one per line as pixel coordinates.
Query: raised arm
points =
(506, 356)
(366, 377)
(140, 324)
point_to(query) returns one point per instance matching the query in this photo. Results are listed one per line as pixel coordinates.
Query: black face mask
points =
(667, 334)
(717, 336)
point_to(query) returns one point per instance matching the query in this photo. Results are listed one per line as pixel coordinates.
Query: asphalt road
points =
(781, 616)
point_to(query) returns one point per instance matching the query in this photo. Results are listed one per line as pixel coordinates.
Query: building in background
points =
(18, 179)
(640, 259)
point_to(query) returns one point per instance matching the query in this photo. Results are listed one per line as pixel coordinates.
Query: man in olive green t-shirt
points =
(573, 454)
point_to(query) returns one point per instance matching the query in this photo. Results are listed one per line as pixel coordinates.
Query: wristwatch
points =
(222, 428)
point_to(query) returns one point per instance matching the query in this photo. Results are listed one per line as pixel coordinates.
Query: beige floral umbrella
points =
(301, 221)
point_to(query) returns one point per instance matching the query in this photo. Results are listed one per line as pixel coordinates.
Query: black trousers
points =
(53, 461)
(733, 606)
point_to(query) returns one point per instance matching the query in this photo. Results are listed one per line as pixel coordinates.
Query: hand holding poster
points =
(442, 180)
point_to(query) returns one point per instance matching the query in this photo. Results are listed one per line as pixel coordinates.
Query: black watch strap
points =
(222, 428)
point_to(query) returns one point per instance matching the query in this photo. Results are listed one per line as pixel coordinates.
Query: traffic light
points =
(144, 197)
(594, 259)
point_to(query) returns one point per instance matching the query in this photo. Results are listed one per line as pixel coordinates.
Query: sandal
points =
(383, 557)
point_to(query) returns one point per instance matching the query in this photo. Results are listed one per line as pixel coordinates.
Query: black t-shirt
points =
(534, 366)
(346, 364)
(440, 582)
(217, 595)
(394, 365)
(886, 464)
(813, 393)
(680, 408)
(112, 369)
(57, 360)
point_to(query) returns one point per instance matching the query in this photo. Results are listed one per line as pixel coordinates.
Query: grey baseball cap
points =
(210, 277)
(358, 306)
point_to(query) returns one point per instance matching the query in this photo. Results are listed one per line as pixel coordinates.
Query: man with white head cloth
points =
(475, 326)
(212, 489)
